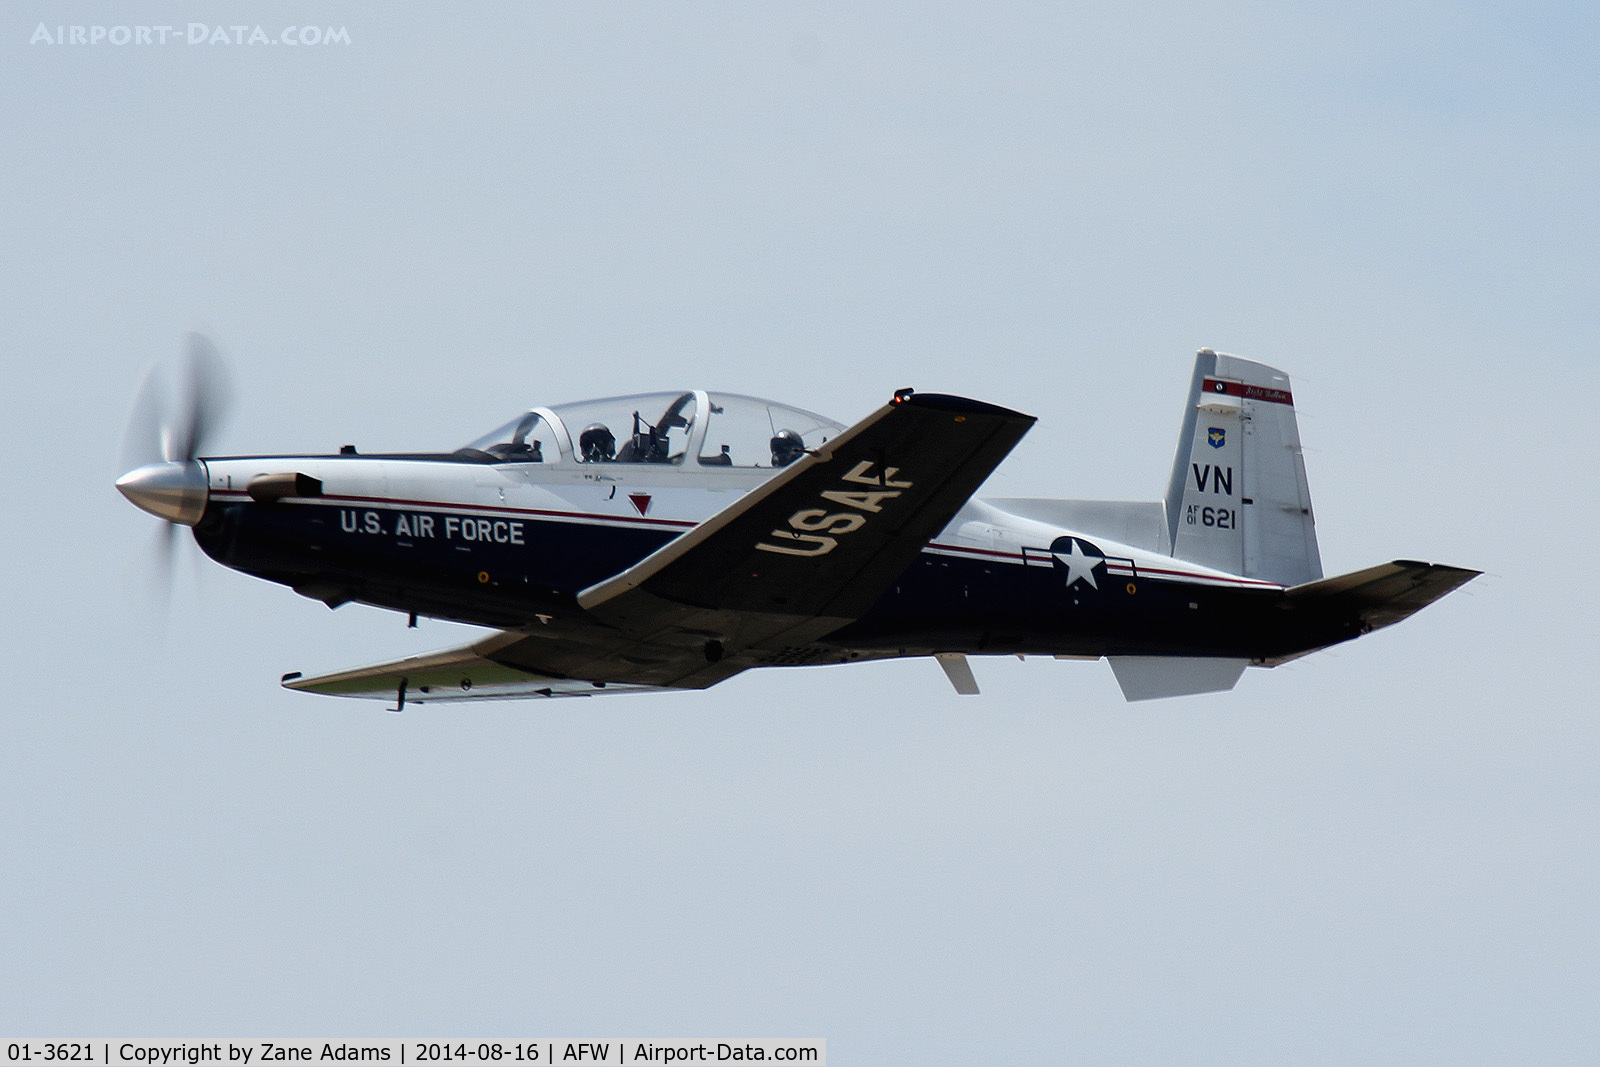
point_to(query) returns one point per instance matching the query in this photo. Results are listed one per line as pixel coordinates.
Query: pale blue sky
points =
(1382, 854)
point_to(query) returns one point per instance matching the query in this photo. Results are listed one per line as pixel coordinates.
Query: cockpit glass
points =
(717, 429)
(647, 428)
(746, 431)
(528, 438)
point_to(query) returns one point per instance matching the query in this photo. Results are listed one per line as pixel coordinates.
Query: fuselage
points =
(470, 538)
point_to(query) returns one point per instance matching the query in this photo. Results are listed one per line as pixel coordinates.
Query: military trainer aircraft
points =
(672, 540)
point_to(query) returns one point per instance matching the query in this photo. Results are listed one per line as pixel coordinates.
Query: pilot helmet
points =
(787, 447)
(596, 443)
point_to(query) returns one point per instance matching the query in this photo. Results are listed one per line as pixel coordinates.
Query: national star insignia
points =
(1079, 565)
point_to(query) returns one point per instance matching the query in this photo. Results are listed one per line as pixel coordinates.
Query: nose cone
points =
(172, 491)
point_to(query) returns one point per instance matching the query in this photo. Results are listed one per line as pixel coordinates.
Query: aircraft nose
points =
(176, 492)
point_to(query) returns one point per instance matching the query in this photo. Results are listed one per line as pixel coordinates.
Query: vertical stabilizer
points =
(1238, 498)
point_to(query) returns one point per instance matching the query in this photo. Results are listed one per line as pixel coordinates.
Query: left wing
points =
(466, 673)
(810, 550)
(828, 534)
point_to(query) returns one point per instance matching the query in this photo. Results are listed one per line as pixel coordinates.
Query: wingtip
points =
(961, 405)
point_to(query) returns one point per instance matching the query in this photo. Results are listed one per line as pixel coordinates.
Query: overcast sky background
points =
(1381, 854)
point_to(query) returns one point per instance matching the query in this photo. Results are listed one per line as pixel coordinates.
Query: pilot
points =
(597, 444)
(787, 446)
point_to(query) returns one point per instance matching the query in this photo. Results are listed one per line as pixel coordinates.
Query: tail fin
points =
(1238, 498)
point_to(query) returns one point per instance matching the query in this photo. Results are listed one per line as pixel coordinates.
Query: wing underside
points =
(456, 674)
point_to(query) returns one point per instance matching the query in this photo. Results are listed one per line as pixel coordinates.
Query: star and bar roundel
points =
(1082, 564)
(1077, 561)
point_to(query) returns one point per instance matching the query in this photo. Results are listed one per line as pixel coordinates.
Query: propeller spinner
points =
(167, 479)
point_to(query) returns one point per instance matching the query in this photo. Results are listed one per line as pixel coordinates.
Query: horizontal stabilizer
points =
(1387, 593)
(451, 675)
(1154, 677)
(1142, 524)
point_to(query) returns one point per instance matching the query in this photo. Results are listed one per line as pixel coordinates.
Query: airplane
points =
(672, 540)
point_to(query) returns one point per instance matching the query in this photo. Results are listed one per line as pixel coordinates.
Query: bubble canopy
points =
(689, 428)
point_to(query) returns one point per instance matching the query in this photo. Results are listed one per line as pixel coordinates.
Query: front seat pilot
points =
(787, 446)
(597, 444)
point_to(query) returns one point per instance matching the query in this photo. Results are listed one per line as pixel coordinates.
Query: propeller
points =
(154, 436)
(160, 445)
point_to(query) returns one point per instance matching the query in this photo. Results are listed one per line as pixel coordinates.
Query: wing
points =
(807, 552)
(455, 674)
(813, 548)
(828, 535)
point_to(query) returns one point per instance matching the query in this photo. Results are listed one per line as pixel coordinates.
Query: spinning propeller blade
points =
(208, 395)
(142, 442)
(158, 450)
